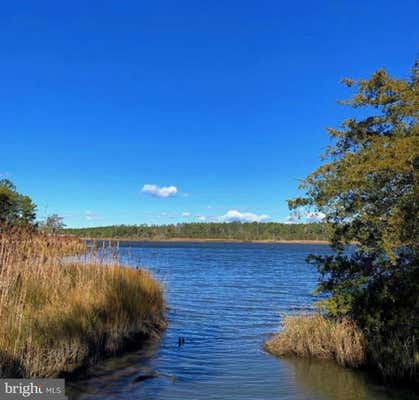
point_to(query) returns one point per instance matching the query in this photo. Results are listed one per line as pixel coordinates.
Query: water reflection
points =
(113, 377)
(323, 379)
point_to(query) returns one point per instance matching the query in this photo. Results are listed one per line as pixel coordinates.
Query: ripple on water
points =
(224, 298)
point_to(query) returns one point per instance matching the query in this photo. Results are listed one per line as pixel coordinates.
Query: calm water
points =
(224, 299)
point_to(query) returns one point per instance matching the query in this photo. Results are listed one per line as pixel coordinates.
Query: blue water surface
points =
(224, 299)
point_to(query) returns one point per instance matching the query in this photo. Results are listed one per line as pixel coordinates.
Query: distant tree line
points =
(18, 209)
(231, 230)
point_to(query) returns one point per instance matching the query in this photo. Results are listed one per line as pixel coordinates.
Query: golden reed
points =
(62, 307)
(314, 336)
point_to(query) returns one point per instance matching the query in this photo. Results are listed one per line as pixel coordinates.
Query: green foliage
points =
(227, 231)
(367, 188)
(15, 208)
(52, 224)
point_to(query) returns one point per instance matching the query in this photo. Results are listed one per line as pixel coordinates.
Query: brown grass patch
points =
(59, 312)
(314, 336)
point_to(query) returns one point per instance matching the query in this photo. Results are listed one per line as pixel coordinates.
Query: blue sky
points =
(225, 101)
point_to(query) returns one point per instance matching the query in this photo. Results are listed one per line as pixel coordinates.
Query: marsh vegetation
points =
(367, 189)
(62, 307)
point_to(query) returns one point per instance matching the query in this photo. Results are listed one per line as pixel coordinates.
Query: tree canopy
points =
(52, 224)
(367, 188)
(15, 208)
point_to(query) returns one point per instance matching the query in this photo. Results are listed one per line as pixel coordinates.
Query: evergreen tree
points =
(367, 188)
(15, 208)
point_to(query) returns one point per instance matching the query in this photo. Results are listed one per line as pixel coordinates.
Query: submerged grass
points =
(316, 336)
(59, 312)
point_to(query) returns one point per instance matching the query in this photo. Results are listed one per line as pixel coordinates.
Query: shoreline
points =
(101, 309)
(208, 240)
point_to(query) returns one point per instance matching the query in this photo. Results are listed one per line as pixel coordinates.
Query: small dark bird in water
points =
(181, 341)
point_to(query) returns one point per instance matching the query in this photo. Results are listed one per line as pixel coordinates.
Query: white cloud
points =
(317, 216)
(159, 191)
(234, 215)
(291, 219)
(89, 216)
(186, 214)
(200, 218)
(309, 216)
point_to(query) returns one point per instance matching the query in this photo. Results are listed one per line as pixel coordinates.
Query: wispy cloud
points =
(234, 215)
(186, 214)
(90, 216)
(309, 216)
(159, 191)
(291, 219)
(317, 216)
(201, 218)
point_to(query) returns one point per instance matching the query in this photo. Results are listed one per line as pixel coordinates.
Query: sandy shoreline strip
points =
(202, 240)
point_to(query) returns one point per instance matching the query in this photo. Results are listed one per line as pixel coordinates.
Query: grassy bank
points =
(60, 312)
(315, 336)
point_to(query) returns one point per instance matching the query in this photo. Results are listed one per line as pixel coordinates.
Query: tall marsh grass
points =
(314, 336)
(62, 308)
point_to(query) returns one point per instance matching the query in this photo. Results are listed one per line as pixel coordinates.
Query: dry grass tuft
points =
(62, 308)
(314, 336)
